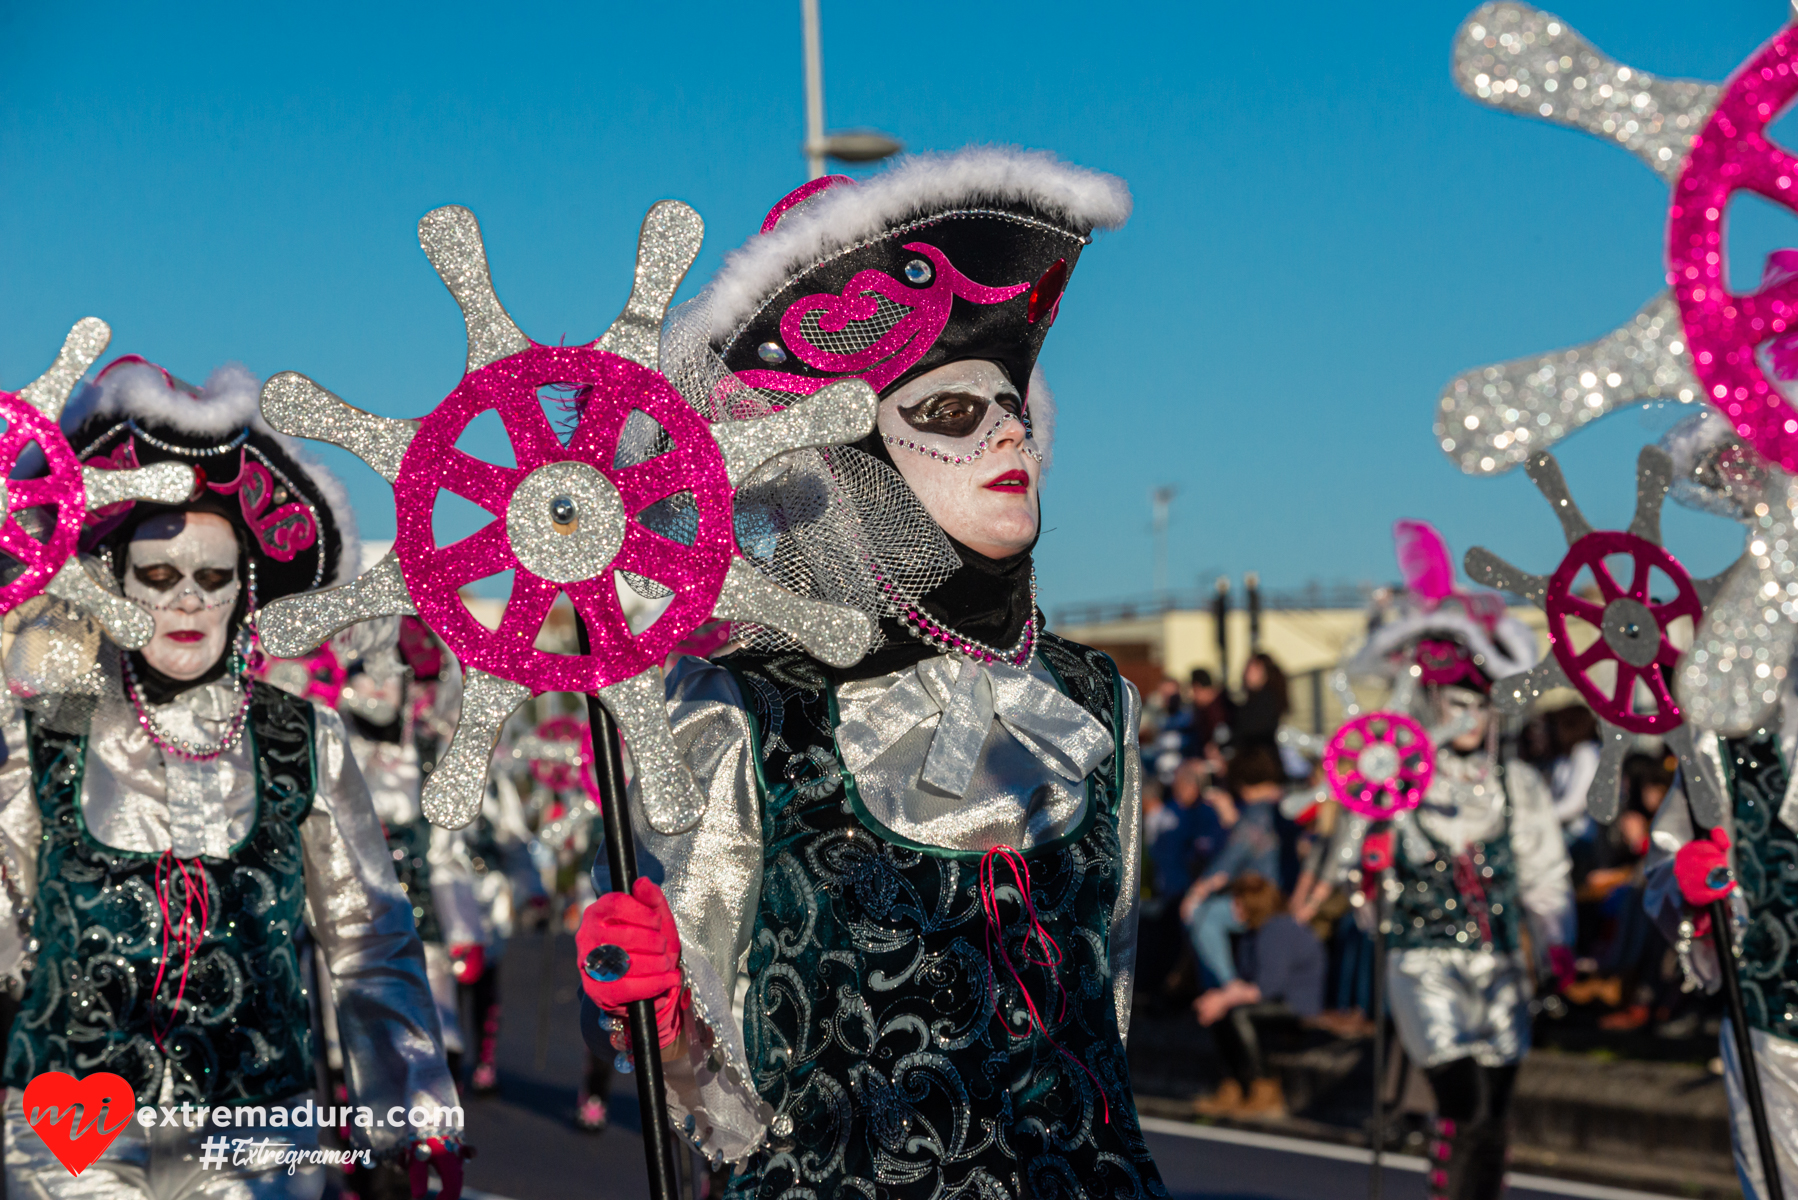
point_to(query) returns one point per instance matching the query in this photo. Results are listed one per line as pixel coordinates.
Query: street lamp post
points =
(850, 145)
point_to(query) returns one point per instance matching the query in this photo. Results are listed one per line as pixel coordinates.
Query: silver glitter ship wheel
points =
(570, 518)
(1635, 648)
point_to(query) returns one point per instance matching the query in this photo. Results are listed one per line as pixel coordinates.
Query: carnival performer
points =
(925, 866)
(1750, 854)
(1462, 871)
(381, 709)
(169, 826)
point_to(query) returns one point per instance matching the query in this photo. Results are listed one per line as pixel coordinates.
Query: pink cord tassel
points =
(1048, 957)
(186, 937)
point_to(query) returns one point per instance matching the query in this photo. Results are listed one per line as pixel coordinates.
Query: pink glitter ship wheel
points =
(566, 518)
(1725, 328)
(60, 489)
(59, 497)
(1632, 627)
(1380, 764)
(580, 518)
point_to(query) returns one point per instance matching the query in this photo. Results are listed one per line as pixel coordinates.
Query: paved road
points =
(530, 1150)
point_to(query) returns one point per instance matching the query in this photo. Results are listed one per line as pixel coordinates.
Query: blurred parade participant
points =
(163, 804)
(1749, 857)
(1482, 852)
(942, 841)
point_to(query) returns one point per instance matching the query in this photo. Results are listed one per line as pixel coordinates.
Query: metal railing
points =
(1204, 599)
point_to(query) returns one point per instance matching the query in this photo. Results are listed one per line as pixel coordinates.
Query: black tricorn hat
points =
(938, 259)
(291, 514)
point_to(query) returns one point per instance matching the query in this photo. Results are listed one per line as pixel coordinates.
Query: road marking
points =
(1399, 1162)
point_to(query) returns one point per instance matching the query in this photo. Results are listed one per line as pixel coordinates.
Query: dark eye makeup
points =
(956, 414)
(163, 576)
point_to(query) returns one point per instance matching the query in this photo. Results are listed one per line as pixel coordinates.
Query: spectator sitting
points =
(1280, 984)
(1253, 845)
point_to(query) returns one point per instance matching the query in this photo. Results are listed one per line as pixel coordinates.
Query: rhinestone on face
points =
(772, 353)
(918, 271)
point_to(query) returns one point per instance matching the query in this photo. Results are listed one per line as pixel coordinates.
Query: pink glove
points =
(447, 1159)
(467, 962)
(1560, 964)
(629, 949)
(1702, 869)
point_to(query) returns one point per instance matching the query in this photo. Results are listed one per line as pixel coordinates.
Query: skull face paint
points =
(1459, 706)
(960, 439)
(182, 568)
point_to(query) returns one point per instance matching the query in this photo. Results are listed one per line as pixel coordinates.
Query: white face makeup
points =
(1456, 704)
(958, 436)
(182, 567)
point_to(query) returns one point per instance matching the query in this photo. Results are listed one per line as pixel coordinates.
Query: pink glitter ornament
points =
(1633, 628)
(559, 775)
(1724, 329)
(60, 488)
(1379, 764)
(613, 388)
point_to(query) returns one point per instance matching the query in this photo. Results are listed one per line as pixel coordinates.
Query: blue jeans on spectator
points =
(1210, 931)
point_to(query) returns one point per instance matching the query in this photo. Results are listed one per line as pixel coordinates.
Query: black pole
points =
(621, 858)
(1220, 612)
(1378, 1136)
(1252, 582)
(1738, 1024)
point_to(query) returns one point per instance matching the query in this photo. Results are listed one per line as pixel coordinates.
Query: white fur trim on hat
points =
(230, 400)
(917, 185)
(1510, 649)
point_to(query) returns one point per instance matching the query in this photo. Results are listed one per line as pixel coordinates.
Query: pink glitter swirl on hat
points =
(908, 321)
(283, 532)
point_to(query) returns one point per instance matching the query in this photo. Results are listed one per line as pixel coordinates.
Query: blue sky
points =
(1325, 230)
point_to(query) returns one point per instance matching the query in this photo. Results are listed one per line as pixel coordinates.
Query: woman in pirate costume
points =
(1481, 855)
(923, 867)
(1734, 834)
(169, 826)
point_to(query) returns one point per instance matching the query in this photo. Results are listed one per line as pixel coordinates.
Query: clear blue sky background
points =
(1325, 229)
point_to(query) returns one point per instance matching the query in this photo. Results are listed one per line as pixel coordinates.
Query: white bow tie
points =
(968, 696)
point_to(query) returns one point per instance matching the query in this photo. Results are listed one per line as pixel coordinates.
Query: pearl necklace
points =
(180, 747)
(941, 637)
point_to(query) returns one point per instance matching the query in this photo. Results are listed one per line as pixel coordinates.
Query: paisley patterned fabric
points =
(1766, 864)
(241, 1032)
(1465, 900)
(899, 1057)
(411, 847)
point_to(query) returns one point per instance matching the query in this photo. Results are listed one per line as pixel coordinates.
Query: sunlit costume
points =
(1479, 855)
(164, 837)
(1749, 852)
(926, 865)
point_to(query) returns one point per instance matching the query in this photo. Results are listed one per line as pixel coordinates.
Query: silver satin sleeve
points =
(1544, 872)
(455, 889)
(712, 876)
(1129, 901)
(20, 829)
(392, 1043)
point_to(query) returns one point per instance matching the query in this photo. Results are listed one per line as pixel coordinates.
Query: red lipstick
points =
(1011, 481)
(184, 635)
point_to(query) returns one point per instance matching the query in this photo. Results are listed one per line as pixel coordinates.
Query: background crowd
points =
(1237, 929)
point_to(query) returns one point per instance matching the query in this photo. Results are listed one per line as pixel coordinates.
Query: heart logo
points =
(78, 1118)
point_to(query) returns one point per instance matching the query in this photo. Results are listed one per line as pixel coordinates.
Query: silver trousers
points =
(1455, 1003)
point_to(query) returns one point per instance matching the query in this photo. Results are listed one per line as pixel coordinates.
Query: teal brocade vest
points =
(1766, 863)
(1458, 901)
(242, 1030)
(870, 1021)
